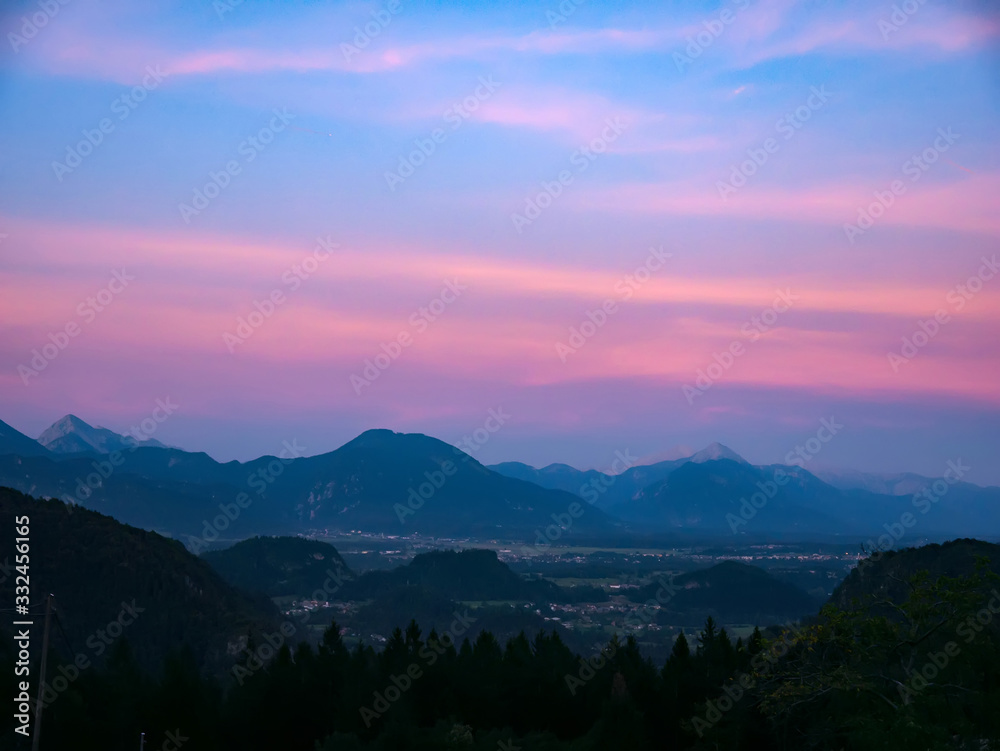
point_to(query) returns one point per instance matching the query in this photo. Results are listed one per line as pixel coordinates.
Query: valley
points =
(355, 554)
(605, 591)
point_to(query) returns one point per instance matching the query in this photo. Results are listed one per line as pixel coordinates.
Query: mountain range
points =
(704, 492)
(400, 484)
(606, 490)
(381, 481)
(71, 435)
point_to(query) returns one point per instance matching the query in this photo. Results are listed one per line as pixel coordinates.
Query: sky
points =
(562, 230)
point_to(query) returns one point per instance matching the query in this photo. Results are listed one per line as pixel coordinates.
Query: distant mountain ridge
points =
(709, 492)
(607, 490)
(380, 481)
(410, 482)
(897, 483)
(71, 435)
(395, 483)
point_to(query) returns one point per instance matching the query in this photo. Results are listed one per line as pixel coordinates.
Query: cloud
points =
(872, 29)
(964, 204)
(505, 329)
(100, 53)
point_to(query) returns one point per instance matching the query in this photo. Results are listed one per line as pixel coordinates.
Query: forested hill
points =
(730, 591)
(299, 567)
(103, 572)
(459, 575)
(280, 566)
(886, 575)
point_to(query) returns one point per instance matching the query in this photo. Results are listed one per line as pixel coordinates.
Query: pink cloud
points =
(90, 47)
(964, 204)
(123, 60)
(947, 32)
(236, 268)
(583, 117)
(504, 330)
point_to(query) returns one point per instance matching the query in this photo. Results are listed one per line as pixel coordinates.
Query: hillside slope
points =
(886, 576)
(97, 567)
(15, 442)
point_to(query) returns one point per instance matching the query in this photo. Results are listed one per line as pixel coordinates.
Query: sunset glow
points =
(727, 190)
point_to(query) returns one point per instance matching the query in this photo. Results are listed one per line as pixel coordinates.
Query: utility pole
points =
(41, 674)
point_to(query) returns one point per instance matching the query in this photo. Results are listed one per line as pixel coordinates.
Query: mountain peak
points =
(67, 423)
(383, 439)
(715, 451)
(64, 426)
(377, 438)
(71, 434)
